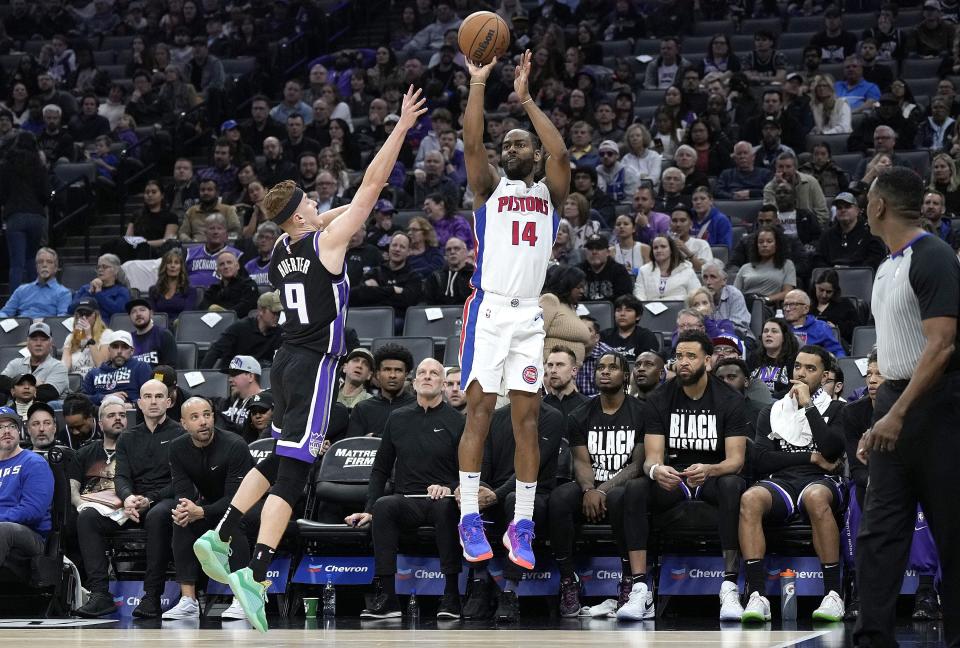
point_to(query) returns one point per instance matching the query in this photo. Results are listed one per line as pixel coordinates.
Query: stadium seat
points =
(265, 379)
(187, 355)
(420, 347)
(721, 253)
(919, 161)
(711, 27)
(77, 274)
(74, 382)
(852, 378)
(864, 339)
(192, 328)
(10, 352)
(920, 68)
(854, 282)
(70, 173)
(652, 97)
(238, 67)
(261, 449)
(18, 334)
(752, 25)
(665, 322)
(616, 48)
(58, 330)
(848, 162)
(811, 24)
(739, 211)
(739, 231)
(370, 322)
(214, 385)
(837, 143)
(793, 40)
(416, 322)
(451, 352)
(602, 311)
(121, 322)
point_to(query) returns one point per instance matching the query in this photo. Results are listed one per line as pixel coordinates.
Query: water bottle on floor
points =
(329, 599)
(413, 610)
(788, 595)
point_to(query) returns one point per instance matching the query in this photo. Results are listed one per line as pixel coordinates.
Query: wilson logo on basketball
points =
(530, 375)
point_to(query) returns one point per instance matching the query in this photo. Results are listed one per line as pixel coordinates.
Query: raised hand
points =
(481, 72)
(521, 76)
(412, 107)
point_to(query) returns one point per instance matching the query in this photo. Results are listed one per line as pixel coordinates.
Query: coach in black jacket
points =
(206, 466)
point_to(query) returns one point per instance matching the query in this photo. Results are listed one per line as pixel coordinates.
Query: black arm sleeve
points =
(829, 443)
(767, 457)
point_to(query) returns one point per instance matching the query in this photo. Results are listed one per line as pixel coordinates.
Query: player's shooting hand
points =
(884, 434)
(411, 108)
(481, 72)
(522, 75)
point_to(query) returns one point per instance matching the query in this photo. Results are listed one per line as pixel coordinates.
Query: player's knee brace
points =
(291, 477)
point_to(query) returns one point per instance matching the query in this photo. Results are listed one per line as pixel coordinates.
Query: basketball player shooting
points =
(516, 222)
(308, 269)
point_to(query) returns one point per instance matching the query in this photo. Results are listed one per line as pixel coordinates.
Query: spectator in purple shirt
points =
(650, 224)
(445, 223)
(223, 172)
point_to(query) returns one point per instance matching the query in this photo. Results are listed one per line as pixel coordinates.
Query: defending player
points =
(308, 269)
(516, 221)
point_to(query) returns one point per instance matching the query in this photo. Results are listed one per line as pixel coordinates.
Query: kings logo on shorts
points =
(530, 374)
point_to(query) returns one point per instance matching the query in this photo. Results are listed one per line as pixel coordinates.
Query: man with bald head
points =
(276, 166)
(420, 440)
(807, 328)
(745, 181)
(206, 465)
(144, 486)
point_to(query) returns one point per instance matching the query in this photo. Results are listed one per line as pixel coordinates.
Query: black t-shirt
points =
(97, 467)
(609, 438)
(696, 430)
(153, 225)
(633, 345)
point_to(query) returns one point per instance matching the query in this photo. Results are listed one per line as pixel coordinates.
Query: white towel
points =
(789, 422)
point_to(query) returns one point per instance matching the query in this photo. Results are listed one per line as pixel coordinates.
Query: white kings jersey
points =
(515, 230)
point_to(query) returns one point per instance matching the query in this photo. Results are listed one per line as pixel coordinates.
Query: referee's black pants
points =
(185, 561)
(921, 468)
(566, 515)
(93, 529)
(394, 513)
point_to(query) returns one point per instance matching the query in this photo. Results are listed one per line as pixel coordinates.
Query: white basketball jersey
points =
(515, 231)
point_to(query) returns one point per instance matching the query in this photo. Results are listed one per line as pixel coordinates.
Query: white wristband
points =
(653, 469)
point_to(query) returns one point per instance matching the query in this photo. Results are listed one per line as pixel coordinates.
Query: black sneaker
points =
(853, 608)
(99, 604)
(149, 607)
(569, 597)
(449, 607)
(626, 586)
(384, 606)
(508, 608)
(926, 606)
(479, 603)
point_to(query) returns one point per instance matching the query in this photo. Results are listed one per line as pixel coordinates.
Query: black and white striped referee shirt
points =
(919, 282)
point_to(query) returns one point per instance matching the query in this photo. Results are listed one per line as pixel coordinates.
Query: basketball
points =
(482, 36)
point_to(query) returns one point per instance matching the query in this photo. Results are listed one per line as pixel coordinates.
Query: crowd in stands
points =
(727, 171)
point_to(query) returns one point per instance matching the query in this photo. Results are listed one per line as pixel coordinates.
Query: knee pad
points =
(291, 477)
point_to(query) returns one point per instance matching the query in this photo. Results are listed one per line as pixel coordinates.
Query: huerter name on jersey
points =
(293, 264)
(522, 204)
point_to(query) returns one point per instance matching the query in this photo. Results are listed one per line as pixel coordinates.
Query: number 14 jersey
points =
(314, 299)
(515, 230)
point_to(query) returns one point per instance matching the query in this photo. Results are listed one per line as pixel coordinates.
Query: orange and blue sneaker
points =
(519, 542)
(473, 539)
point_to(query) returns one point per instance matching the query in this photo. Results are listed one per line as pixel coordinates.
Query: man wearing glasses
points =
(621, 181)
(807, 328)
(121, 375)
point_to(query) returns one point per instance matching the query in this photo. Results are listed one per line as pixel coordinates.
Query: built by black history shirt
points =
(695, 430)
(609, 438)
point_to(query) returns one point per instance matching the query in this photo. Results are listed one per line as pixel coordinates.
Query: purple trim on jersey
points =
(479, 231)
(833, 486)
(338, 342)
(307, 448)
(316, 243)
(471, 311)
(783, 494)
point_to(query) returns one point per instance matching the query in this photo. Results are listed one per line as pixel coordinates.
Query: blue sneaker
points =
(519, 540)
(473, 540)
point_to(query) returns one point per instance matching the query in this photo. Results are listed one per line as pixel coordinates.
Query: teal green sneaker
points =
(214, 556)
(251, 595)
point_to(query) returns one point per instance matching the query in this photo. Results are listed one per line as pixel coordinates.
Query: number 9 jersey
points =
(515, 230)
(314, 299)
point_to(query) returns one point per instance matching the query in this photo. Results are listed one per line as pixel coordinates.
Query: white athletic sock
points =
(526, 494)
(469, 493)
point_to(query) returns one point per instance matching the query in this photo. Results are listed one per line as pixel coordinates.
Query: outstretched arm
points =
(558, 159)
(338, 232)
(481, 176)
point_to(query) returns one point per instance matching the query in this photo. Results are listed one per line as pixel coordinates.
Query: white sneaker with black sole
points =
(757, 610)
(234, 612)
(639, 606)
(730, 607)
(186, 608)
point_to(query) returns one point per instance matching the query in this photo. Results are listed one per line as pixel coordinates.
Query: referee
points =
(912, 450)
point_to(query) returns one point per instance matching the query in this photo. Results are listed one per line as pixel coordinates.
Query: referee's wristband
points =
(653, 469)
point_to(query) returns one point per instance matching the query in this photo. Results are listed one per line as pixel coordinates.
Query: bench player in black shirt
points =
(308, 269)
(695, 446)
(796, 456)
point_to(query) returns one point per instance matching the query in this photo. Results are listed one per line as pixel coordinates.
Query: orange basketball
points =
(482, 36)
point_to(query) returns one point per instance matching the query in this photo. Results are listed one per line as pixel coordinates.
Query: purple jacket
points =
(659, 225)
(453, 226)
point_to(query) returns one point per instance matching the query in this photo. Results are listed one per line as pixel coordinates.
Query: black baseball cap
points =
(138, 301)
(262, 401)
